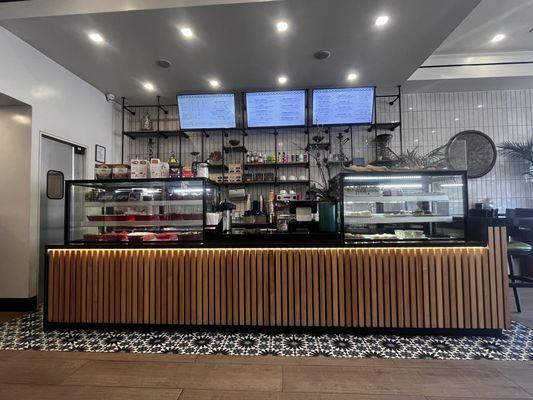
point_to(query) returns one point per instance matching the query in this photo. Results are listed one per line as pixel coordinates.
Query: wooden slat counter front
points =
(422, 288)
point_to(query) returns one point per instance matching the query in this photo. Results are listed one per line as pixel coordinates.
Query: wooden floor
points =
(60, 375)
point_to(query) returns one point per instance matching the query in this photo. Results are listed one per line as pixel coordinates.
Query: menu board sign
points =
(343, 106)
(207, 111)
(275, 109)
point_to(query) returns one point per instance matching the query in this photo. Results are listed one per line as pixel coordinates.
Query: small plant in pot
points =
(522, 151)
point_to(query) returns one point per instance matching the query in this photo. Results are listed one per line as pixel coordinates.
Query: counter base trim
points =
(455, 288)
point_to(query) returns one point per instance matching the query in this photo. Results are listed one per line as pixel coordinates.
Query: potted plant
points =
(522, 151)
(319, 189)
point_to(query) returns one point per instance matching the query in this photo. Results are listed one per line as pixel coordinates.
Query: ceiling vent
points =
(322, 54)
(163, 63)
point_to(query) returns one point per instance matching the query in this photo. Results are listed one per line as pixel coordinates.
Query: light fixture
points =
(451, 185)
(378, 178)
(456, 119)
(187, 32)
(96, 37)
(480, 106)
(149, 86)
(352, 77)
(382, 20)
(282, 79)
(410, 108)
(498, 38)
(433, 131)
(282, 26)
(401, 185)
(22, 119)
(214, 83)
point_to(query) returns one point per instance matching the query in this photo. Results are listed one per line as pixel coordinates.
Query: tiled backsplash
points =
(429, 120)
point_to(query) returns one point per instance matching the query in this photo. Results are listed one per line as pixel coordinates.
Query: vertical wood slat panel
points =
(443, 287)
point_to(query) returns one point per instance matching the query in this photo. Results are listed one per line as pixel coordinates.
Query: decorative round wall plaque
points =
(474, 147)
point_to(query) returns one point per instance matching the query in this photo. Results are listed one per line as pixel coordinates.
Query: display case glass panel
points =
(151, 210)
(401, 206)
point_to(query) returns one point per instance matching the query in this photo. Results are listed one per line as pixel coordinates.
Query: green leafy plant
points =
(522, 151)
(518, 150)
(413, 159)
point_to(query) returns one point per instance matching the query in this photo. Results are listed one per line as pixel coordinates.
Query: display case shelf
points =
(99, 204)
(143, 224)
(401, 205)
(181, 205)
(395, 199)
(407, 219)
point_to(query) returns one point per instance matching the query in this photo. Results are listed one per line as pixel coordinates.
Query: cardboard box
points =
(234, 177)
(139, 169)
(120, 171)
(155, 168)
(103, 171)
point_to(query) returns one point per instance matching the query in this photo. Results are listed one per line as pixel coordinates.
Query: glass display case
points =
(401, 206)
(138, 210)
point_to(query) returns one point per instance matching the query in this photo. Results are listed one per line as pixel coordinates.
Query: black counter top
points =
(283, 240)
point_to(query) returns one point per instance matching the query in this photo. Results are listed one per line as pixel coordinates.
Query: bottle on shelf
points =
(247, 158)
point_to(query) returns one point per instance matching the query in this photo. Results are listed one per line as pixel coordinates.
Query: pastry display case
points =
(401, 206)
(138, 210)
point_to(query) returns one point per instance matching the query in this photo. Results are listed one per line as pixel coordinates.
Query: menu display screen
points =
(279, 108)
(207, 111)
(343, 106)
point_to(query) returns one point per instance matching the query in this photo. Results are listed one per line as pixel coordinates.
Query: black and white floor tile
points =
(26, 333)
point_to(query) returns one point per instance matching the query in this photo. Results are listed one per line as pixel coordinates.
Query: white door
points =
(58, 160)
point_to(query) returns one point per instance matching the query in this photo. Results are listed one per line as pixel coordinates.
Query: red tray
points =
(146, 217)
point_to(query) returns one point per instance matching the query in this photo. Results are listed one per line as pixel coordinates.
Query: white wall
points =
(63, 106)
(15, 139)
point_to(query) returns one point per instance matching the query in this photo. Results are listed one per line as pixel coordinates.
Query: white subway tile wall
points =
(429, 120)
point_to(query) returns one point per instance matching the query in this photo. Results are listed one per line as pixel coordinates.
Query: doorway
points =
(60, 161)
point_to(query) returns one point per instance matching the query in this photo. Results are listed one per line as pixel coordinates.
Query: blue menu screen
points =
(207, 111)
(279, 108)
(343, 106)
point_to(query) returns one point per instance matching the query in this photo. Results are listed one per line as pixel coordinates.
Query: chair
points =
(521, 231)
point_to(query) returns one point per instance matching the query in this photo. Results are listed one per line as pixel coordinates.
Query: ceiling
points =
(469, 60)
(237, 44)
(513, 18)
(9, 101)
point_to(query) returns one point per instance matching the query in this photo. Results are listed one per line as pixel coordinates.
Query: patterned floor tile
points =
(27, 333)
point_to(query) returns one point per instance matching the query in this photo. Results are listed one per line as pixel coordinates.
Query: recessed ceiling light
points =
(456, 119)
(96, 37)
(352, 77)
(433, 131)
(410, 108)
(480, 106)
(214, 83)
(282, 26)
(498, 38)
(22, 119)
(382, 20)
(148, 86)
(187, 32)
(282, 79)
